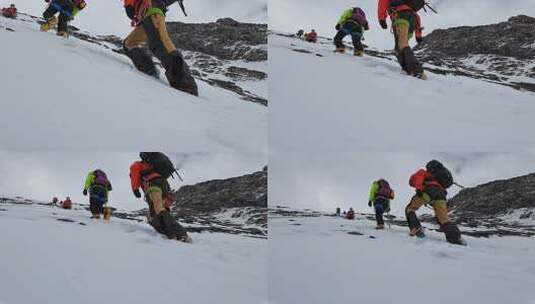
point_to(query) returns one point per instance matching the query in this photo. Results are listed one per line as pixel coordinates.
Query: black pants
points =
(98, 196)
(65, 9)
(381, 205)
(350, 28)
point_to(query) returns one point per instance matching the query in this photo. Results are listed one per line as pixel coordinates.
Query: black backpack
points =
(440, 173)
(416, 5)
(160, 163)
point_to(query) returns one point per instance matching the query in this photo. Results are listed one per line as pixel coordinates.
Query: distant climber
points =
(405, 23)
(151, 174)
(300, 33)
(66, 204)
(98, 185)
(148, 18)
(337, 211)
(352, 22)
(67, 10)
(379, 198)
(431, 184)
(10, 12)
(312, 36)
(54, 201)
(350, 215)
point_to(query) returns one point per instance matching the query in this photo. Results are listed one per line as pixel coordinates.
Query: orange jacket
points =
(384, 10)
(421, 178)
(140, 174)
(130, 2)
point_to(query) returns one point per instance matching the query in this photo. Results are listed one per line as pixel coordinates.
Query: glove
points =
(337, 27)
(419, 39)
(369, 203)
(130, 11)
(137, 193)
(85, 192)
(383, 24)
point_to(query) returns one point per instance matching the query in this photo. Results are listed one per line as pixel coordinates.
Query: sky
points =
(322, 15)
(329, 180)
(43, 175)
(106, 17)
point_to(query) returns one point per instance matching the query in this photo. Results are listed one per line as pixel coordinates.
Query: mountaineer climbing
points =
(350, 215)
(148, 18)
(352, 22)
(431, 184)
(312, 36)
(151, 174)
(66, 204)
(10, 12)
(67, 10)
(99, 186)
(379, 198)
(405, 23)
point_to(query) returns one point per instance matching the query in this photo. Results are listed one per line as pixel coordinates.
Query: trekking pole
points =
(431, 8)
(178, 174)
(181, 4)
(460, 186)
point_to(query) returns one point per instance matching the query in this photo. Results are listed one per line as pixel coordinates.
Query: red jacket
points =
(421, 179)
(9, 12)
(140, 174)
(384, 10)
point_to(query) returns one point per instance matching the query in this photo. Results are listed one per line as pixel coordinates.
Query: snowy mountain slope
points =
(56, 89)
(344, 103)
(348, 261)
(62, 256)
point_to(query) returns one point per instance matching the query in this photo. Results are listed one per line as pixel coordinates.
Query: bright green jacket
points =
(346, 15)
(373, 191)
(89, 180)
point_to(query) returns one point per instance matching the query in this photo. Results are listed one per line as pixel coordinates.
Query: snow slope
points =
(70, 94)
(51, 261)
(316, 260)
(345, 103)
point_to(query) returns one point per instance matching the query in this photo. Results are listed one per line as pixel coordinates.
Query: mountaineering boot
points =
(453, 234)
(380, 227)
(179, 75)
(49, 24)
(418, 232)
(358, 53)
(142, 61)
(340, 50)
(63, 34)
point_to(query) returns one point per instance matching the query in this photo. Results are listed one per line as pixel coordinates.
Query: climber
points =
(300, 33)
(10, 12)
(151, 174)
(379, 198)
(67, 10)
(98, 185)
(311, 37)
(337, 211)
(431, 184)
(148, 18)
(352, 22)
(405, 23)
(350, 215)
(66, 204)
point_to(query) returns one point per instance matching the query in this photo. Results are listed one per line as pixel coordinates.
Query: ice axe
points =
(430, 7)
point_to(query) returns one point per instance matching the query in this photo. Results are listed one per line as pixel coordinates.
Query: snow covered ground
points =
(316, 260)
(73, 95)
(331, 102)
(51, 261)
